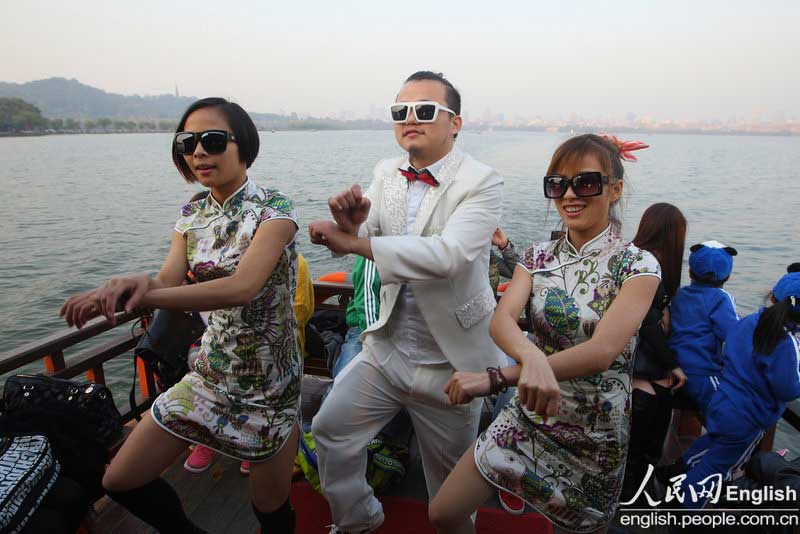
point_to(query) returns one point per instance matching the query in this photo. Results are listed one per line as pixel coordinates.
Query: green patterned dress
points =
(242, 396)
(571, 468)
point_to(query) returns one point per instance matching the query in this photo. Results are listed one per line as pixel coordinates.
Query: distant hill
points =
(63, 98)
(59, 97)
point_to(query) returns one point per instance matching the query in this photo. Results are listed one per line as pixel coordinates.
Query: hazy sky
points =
(667, 59)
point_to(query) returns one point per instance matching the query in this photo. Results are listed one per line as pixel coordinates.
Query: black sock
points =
(281, 521)
(157, 504)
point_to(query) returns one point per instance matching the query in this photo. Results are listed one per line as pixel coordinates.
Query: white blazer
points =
(446, 261)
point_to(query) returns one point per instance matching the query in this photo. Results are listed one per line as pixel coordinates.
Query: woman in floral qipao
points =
(242, 396)
(561, 443)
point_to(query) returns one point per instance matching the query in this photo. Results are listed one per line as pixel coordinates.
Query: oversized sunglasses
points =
(423, 111)
(213, 141)
(585, 184)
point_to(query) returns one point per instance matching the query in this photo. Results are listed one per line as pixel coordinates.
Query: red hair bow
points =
(625, 147)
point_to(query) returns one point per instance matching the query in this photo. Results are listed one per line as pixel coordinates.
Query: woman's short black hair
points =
(240, 122)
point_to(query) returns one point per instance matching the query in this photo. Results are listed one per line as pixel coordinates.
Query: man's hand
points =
(465, 386)
(349, 209)
(329, 234)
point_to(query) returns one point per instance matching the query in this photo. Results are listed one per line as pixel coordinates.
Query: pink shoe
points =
(511, 503)
(244, 467)
(199, 460)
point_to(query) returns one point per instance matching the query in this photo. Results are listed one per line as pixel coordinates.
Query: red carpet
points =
(404, 516)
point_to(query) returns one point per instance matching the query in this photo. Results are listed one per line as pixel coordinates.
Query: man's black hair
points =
(452, 96)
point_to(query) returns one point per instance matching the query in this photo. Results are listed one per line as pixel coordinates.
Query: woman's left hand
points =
(538, 388)
(464, 386)
(123, 290)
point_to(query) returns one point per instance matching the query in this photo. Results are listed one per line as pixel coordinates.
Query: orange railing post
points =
(144, 374)
(54, 361)
(97, 375)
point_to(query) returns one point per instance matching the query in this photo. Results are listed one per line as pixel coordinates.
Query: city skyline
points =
(488, 116)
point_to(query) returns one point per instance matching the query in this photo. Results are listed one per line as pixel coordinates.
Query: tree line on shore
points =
(18, 116)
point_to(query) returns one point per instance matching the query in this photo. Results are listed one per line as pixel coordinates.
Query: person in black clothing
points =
(656, 374)
(503, 264)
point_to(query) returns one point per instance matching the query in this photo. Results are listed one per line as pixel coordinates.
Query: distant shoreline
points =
(466, 130)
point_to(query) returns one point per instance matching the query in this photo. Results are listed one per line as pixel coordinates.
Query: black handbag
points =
(93, 402)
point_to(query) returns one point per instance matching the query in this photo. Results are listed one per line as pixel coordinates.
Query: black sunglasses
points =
(213, 141)
(585, 184)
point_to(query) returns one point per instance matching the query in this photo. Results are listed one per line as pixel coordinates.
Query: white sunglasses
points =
(424, 112)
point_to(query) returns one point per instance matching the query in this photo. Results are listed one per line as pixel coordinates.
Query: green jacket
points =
(363, 310)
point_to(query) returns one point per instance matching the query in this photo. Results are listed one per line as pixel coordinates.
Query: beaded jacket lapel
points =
(445, 177)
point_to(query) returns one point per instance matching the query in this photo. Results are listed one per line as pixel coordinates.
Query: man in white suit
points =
(427, 222)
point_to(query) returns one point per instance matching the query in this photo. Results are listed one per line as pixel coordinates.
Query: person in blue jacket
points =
(702, 315)
(761, 375)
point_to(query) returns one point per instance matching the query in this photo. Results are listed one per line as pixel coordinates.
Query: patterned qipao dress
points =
(570, 468)
(242, 396)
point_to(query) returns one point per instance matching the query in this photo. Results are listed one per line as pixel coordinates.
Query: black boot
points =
(157, 504)
(281, 521)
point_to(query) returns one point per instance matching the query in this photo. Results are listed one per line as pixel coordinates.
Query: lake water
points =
(82, 208)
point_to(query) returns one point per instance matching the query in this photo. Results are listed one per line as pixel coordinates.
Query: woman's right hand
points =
(499, 239)
(538, 388)
(78, 309)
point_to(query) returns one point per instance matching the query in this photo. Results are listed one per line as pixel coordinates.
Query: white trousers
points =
(365, 396)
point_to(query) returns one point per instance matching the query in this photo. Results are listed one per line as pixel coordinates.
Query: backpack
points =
(165, 345)
(387, 462)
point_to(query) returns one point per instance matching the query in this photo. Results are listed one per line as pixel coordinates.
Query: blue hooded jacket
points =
(759, 385)
(700, 319)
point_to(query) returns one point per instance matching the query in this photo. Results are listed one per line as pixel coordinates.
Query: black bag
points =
(93, 401)
(165, 344)
(28, 471)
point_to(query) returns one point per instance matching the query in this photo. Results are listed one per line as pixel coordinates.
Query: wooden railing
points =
(90, 361)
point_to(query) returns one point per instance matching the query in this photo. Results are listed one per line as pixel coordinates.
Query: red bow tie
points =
(423, 176)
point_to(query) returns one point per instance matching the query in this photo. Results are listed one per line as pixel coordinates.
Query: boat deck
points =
(218, 500)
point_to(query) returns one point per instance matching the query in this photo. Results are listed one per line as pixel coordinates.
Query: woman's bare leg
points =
(147, 452)
(461, 494)
(270, 483)
(134, 478)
